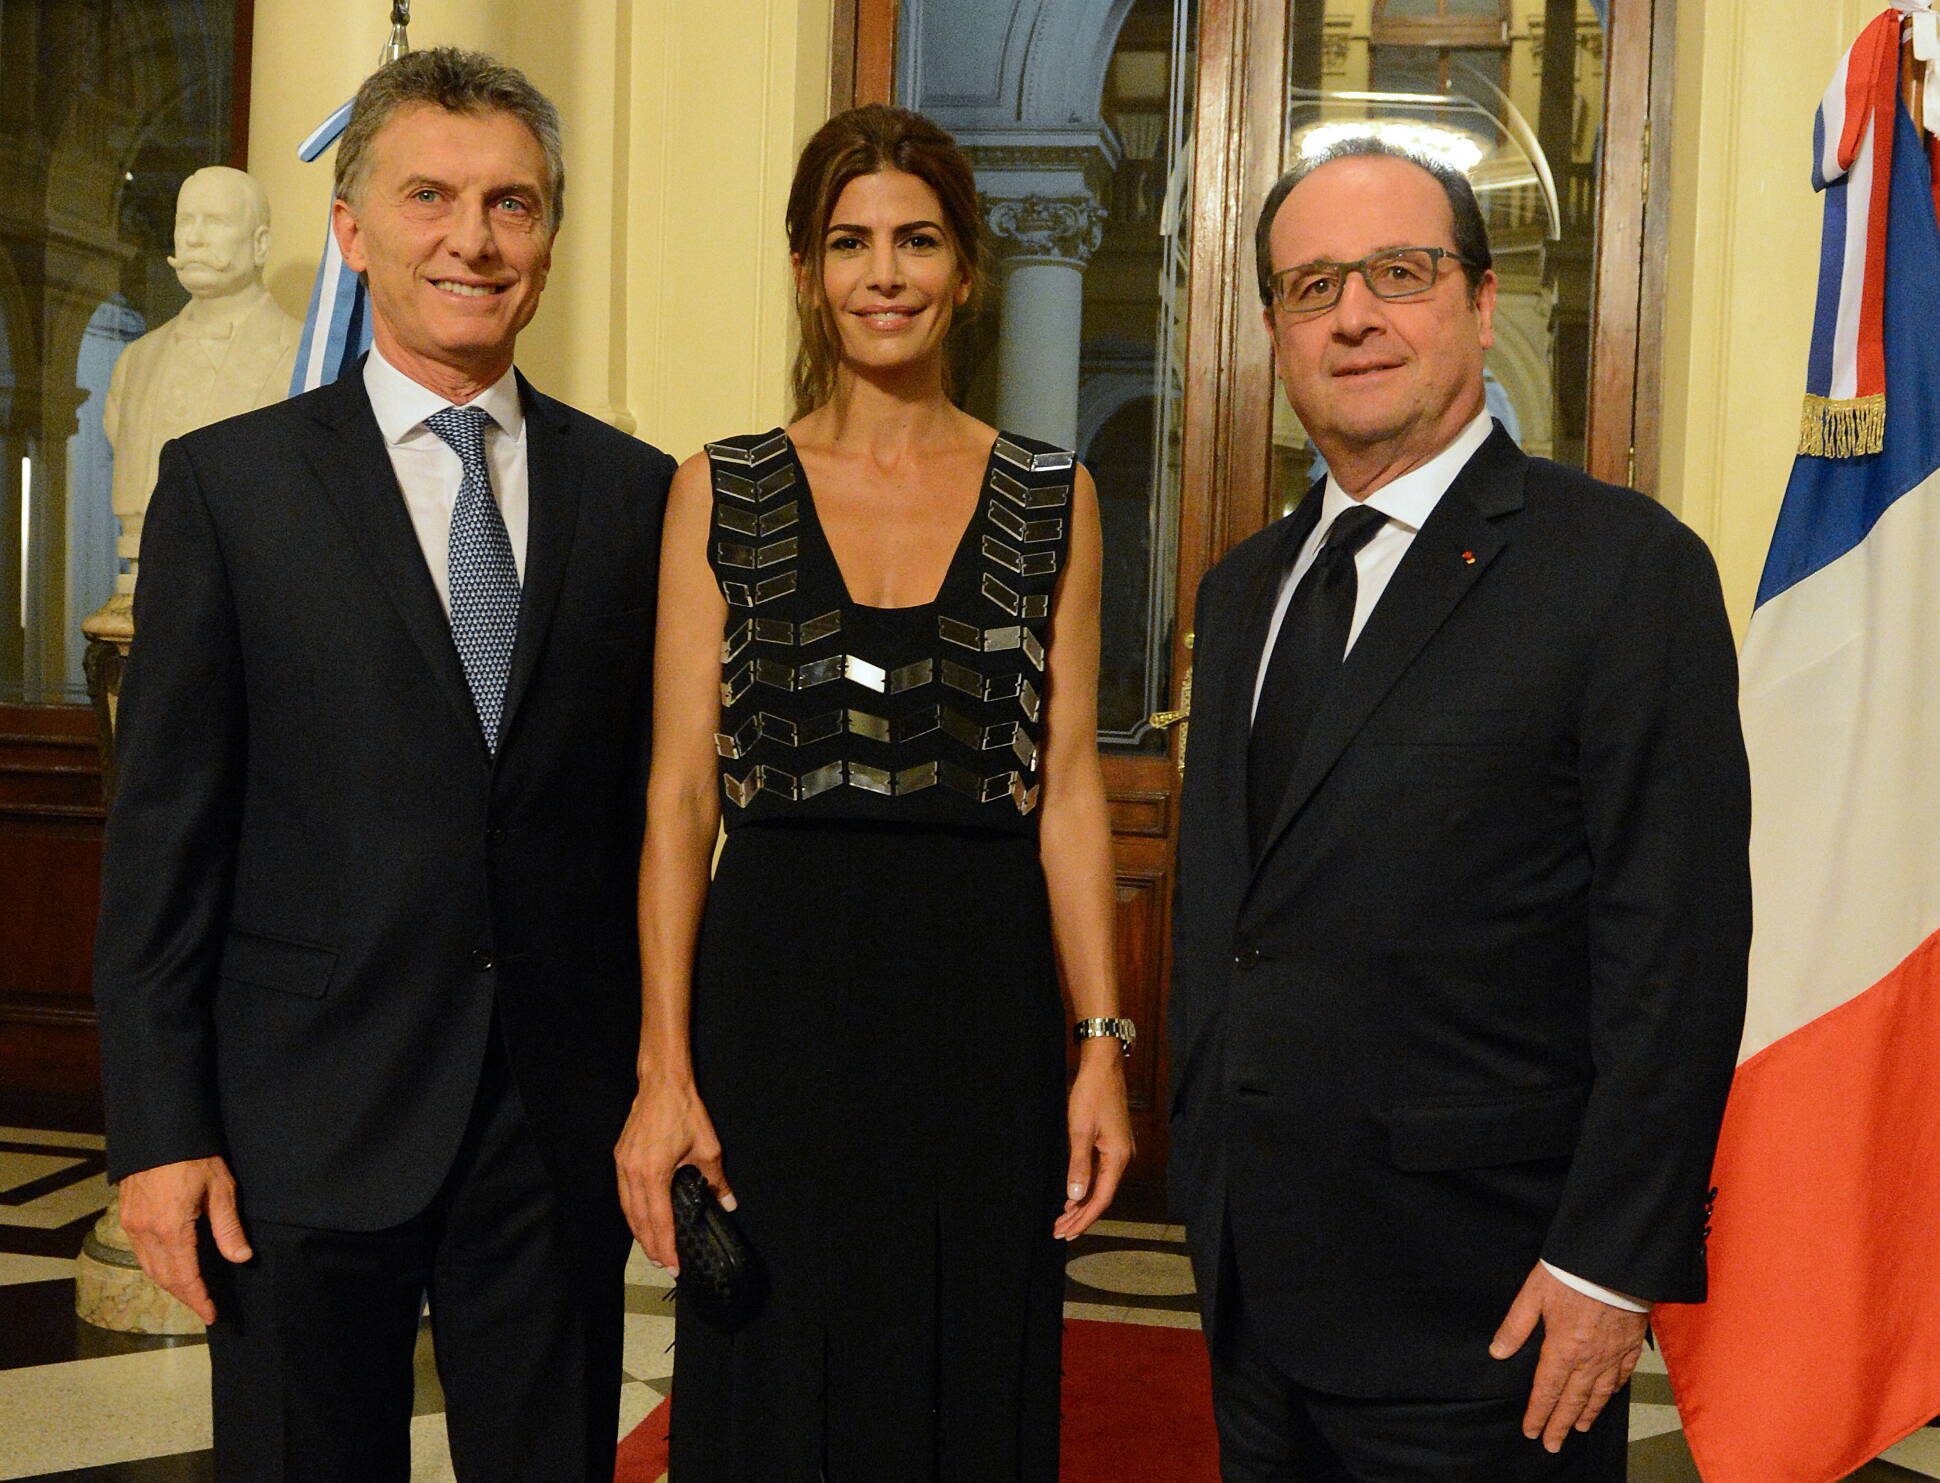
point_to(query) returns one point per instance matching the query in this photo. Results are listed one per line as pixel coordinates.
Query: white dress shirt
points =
(428, 470)
(1407, 502)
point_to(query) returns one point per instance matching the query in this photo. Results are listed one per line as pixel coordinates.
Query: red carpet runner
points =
(1137, 1409)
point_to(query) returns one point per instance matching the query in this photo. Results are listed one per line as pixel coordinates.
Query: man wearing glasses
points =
(1464, 903)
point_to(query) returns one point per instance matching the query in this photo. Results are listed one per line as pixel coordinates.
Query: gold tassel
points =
(1843, 429)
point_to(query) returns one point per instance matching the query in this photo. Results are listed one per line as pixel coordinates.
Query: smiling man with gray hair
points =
(1463, 903)
(366, 971)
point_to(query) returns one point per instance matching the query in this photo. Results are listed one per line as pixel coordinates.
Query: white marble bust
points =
(229, 351)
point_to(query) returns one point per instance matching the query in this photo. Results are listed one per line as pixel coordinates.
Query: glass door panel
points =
(1078, 120)
(1510, 92)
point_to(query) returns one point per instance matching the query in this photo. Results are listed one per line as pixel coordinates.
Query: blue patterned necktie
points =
(483, 577)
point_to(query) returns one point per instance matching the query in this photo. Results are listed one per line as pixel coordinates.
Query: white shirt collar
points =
(1409, 500)
(401, 404)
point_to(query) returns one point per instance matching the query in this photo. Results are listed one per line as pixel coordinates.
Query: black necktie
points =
(1307, 656)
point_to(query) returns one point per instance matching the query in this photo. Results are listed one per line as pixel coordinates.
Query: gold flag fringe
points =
(1843, 429)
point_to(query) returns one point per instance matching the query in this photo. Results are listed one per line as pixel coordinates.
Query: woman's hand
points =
(667, 1127)
(1101, 1136)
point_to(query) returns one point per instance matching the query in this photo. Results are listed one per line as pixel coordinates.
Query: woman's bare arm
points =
(668, 1125)
(1075, 846)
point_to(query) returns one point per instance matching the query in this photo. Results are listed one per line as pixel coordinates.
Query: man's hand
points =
(159, 1211)
(1589, 1350)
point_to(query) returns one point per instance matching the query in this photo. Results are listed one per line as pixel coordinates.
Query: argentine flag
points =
(1820, 1345)
(337, 329)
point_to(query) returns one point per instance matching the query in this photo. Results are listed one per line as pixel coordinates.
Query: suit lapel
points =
(552, 483)
(1453, 549)
(356, 472)
(1261, 589)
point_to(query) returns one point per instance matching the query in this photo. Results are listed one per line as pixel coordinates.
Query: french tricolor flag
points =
(1820, 1345)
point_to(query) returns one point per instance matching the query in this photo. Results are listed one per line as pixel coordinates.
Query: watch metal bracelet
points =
(1123, 1029)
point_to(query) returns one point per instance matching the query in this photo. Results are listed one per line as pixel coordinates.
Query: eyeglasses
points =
(1396, 274)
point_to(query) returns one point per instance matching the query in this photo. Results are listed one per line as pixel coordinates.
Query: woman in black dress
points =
(877, 665)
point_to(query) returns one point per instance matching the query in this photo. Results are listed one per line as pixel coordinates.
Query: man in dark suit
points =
(1464, 904)
(366, 966)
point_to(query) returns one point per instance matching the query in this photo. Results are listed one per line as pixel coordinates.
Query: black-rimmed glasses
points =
(1394, 274)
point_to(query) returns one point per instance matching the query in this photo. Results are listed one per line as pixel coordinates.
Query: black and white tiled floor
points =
(78, 1405)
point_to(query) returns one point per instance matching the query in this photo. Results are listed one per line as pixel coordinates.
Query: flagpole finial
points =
(400, 41)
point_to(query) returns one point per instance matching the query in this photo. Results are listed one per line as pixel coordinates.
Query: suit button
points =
(482, 960)
(495, 835)
(1246, 958)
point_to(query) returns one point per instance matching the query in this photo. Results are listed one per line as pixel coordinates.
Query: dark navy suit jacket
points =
(320, 889)
(1479, 1000)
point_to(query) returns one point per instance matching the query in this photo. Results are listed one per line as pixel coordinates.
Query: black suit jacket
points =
(1479, 1000)
(319, 887)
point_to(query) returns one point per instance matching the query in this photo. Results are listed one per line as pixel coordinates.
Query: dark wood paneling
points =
(1619, 303)
(51, 819)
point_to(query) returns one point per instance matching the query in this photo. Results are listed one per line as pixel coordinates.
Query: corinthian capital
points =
(1055, 228)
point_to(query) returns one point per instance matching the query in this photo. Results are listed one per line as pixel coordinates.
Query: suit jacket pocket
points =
(1429, 1137)
(299, 968)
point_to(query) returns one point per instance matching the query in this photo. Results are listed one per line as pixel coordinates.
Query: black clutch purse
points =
(720, 1275)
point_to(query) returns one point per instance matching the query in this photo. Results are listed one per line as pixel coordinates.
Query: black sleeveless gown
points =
(877, 1029)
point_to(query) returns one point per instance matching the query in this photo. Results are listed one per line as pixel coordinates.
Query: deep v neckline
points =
(814, 515)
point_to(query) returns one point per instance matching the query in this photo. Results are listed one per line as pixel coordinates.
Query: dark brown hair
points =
(1471, 231)
(858, 142)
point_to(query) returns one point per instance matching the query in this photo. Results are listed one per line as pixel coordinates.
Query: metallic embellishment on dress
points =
(733, 486)
(744, 596)
(747, 457)
(1032, 463)
(748, 523)
(1035, 605)
(765, 779)
(814, 729)
(728, 453)
(873, 779)
(987, 640)
(1011, 734)
(1028, 531)
(736, 745)
(777, 631)
(737, 685)
(991, 789)
(1025, 564)
(1050, 497)
(732, 553)
(823, 778)
(992, 687)
(1033, 650)
(813, 630)
(769, 447)
(849, 667)
(751, 596)
(1027, 697)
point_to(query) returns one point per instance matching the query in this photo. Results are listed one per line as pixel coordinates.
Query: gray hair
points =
(1471, 231)
(458, 82)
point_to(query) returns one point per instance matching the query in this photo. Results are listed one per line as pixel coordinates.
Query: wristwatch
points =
(1124, 1029)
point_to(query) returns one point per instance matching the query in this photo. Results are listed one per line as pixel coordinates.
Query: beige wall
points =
(668, 310)
(1744, 262)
